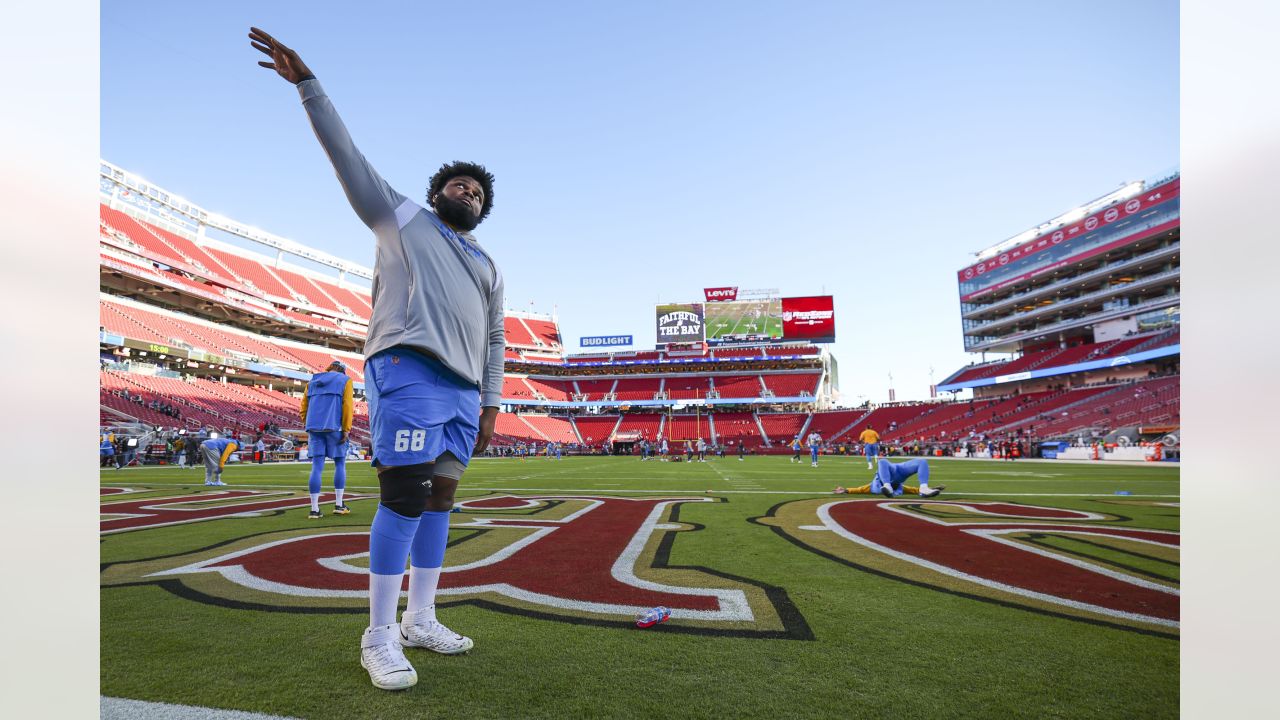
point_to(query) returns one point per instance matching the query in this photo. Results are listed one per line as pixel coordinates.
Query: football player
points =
(890, 477)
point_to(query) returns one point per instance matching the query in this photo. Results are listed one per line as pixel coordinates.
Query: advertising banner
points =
(680, 322)
(1072, 235)
(810, 318)
(605, 341)
(720, 294)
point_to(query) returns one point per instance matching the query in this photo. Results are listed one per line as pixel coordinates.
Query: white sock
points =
(924, 487)
(338, 493)
(384, 598)
(422, 588)
(315, 502)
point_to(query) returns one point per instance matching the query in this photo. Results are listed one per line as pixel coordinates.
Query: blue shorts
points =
(324, 443)
(873, 449)
(419, 409)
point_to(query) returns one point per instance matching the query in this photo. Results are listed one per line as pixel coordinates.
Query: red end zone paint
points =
(585, 562)
(974, 551)
(155, 512)
(572, 559)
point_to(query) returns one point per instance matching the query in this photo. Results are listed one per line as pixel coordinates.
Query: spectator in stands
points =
(435, 344)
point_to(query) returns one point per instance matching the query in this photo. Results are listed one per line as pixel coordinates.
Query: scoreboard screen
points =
(744, 320)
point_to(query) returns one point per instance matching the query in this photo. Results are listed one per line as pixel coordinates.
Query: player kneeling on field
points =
(890, 477)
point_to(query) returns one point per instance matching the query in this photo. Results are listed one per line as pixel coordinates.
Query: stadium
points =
(225, 337)
(1052, 557)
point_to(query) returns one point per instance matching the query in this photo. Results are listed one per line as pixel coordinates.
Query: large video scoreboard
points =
(725, 319)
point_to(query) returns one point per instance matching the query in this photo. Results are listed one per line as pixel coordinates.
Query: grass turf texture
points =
(881, 647)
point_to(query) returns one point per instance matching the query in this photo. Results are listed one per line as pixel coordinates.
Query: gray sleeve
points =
(491, 388)
(370, 196)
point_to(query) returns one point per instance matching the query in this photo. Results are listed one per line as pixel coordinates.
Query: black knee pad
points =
(405, 488)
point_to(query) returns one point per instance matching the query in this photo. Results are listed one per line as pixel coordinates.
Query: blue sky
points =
(645, 151)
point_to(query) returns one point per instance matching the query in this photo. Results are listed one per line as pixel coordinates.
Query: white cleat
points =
(382, 655)
(420, 629)
(933, 492)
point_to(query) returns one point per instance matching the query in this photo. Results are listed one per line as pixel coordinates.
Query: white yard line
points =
(125, 709)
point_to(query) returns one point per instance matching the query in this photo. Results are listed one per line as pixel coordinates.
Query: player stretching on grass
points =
(890, 476)
(433, 368)
(215, 452)
(328, 407)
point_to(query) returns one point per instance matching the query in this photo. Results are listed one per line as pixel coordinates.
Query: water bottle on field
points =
(653, 616)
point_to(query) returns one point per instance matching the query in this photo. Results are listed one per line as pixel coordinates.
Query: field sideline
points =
(1034, 590)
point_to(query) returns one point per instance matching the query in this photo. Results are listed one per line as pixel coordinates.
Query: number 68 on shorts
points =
(408, 440)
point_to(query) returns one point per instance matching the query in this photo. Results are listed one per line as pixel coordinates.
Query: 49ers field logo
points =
(587, 560)
(1061, 562)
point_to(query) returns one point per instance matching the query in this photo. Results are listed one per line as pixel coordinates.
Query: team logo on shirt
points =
(1083, 565)
(584, 560)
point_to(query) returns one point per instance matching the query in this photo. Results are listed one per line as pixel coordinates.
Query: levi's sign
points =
(605, 341)
(720, 294)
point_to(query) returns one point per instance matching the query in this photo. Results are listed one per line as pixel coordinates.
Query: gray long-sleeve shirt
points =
(434, 289)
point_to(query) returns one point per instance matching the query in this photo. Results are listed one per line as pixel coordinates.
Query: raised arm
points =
(370, 196)
(491, 385)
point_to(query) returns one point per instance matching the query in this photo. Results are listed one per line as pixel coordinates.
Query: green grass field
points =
(834, 617)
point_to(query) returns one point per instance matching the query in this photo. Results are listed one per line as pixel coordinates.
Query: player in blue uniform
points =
(815, 442)
(433, 367)
(215, 452)
(107, 453)
(890, 477)
(328, 408)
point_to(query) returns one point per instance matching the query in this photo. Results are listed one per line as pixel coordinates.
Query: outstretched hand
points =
(283, 60)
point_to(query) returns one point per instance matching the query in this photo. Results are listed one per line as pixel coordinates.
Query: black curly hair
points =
(448, 171)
